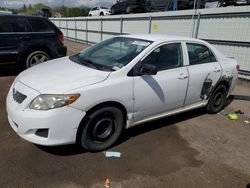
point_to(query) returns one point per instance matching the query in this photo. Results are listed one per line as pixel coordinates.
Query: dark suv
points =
(29, 40)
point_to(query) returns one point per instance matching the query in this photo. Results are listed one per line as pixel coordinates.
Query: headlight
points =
(47, 102)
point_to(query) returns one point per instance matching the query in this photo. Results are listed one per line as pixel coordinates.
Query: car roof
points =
(160, 37)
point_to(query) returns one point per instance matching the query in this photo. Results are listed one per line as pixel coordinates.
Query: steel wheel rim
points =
(218, 98)
(102, 127)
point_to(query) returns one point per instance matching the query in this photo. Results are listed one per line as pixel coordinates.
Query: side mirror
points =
(146, 69)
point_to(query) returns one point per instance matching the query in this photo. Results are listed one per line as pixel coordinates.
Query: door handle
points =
(182, 76)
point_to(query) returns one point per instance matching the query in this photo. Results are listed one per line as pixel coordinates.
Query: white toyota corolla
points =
(90, 97)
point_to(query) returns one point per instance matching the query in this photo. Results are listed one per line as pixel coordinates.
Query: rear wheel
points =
(101, 14)
(102, 129)
(36, 57)
(217, 100)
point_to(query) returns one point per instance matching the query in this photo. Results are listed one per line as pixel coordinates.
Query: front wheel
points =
(102, 129)
(217, 100)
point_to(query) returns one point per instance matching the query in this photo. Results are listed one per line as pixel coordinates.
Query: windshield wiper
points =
(90, 63)
(86, 62)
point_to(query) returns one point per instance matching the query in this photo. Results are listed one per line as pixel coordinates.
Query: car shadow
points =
(65, 150)
(239, 97)
(157, 124)
(167, 121)
(9, 70)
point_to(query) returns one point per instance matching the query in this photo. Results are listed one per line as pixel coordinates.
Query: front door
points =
(165, 91)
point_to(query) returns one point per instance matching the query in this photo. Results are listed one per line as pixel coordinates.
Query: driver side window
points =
(165, 57)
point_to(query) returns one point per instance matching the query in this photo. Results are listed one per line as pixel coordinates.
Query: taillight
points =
(238, 67)
(60, 37)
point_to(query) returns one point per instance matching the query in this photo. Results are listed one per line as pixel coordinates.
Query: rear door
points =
(12, 31)
(204, 72)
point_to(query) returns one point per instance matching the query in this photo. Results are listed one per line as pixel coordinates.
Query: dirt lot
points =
(193, 149)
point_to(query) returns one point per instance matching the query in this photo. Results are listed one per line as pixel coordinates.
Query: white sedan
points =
(99, 11)
(90, 97)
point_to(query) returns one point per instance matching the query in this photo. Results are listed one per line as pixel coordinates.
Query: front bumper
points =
(62, 123)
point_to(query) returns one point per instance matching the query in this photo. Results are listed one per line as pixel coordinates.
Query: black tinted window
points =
(165, 57)
(40, 26)
(13, 25)
(199, 54)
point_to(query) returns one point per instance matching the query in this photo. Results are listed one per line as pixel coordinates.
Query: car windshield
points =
(111, 54)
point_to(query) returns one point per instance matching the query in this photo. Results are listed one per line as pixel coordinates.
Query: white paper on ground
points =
(112, 154)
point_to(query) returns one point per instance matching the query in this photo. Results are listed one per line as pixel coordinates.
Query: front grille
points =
(17, 96)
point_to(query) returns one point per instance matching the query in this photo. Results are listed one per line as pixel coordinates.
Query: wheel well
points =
(110, 103)
(97, 107)
(25, 53)
(225, 83)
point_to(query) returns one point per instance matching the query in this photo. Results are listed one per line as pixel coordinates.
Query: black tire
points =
(148, 6)
(101, 129)
(36, 57)
(217, 100)
(101, 14)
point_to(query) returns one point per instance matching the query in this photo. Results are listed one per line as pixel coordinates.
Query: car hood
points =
(60, 76)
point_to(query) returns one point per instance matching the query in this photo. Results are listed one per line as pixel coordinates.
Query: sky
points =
(56, 3)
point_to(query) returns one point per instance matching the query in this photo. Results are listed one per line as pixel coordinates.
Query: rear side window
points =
(40, 26)
(13, 25)
(199, 54)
